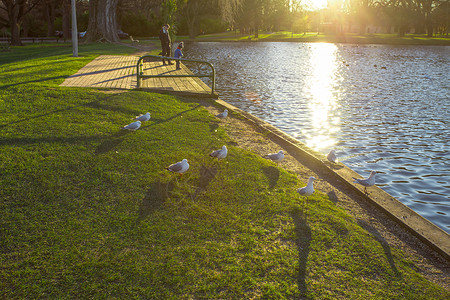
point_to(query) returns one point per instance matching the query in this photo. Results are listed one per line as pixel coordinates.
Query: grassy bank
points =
(88, 211)
(314, 37)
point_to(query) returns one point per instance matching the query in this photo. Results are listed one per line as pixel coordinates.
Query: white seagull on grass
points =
(133, 126)
(369, 181)
(307, 190)
(143, 118)
(276, 157)
(223, 114)
(220, 154)
(179, 167)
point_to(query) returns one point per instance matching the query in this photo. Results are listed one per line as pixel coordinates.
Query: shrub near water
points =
(88, 210)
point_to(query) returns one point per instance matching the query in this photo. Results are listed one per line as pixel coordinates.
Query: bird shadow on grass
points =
(111, 142)
(207, 174)
(303, 241)
(213, 127)
(380, 239)
(333, 197)
(273, 174)
(154, 198)
(335, 166)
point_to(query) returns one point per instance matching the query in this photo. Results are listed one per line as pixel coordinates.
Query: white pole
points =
(74, 30)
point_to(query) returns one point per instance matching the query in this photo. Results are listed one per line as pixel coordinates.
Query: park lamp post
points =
(74, 30)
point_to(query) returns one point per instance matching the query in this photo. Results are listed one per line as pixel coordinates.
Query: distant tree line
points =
(103, 18)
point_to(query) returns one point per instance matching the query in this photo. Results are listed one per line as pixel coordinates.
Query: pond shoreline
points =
(323, 38)
(426, 231)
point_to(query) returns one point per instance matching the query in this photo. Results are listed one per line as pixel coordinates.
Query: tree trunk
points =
(102, 21)
(66, 19)
(13, 11)
(50, 15)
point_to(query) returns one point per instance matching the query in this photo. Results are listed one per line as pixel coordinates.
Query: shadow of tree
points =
(111, 142)
(387, 249)
(273, 174)
(154, 198)
(303, 241)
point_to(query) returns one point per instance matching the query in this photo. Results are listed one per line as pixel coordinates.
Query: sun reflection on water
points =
(325, 120)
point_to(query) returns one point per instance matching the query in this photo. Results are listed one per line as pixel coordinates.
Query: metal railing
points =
(140, 71)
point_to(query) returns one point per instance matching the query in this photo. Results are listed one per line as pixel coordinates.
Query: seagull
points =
(221, 153)
(332, 156)
(133, 126)
(307, 190)
(276, 157)
(143, 118)
(223, 114)
(179, 167)
(369, 181)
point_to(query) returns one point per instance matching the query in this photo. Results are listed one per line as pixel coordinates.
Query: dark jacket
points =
(164, 36)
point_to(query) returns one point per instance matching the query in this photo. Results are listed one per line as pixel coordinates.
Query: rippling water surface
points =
(383, 108)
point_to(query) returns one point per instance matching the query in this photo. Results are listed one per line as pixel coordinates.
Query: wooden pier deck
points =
(119, 72)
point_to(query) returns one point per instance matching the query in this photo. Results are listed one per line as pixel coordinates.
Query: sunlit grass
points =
(88, 211)
(419, 39)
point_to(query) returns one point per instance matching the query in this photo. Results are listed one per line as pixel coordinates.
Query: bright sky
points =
(316, 4)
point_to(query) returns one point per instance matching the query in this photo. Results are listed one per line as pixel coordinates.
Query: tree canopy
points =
(104, 18)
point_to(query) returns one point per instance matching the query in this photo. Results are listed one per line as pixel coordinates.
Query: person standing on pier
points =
(164, 37)
(179, 54)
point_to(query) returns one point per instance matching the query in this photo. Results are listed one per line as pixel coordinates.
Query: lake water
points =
(382, 108)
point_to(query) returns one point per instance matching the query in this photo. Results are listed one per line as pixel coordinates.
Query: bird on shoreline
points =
(143, 118)
(223, 114)
(179, 167)
(133, 126)
(369, 181)
(332, 156)
(276, 157)
(220, 154)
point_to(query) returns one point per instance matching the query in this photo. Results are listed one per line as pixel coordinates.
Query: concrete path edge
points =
(427, 232)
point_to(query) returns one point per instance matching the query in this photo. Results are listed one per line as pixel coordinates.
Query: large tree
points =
(102, 21)
(16, 11)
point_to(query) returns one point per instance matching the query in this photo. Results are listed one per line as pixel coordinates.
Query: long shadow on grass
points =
(303, 241)
(159, 121)
(3, 87)
(111, 142)
(387, 249)
(154, 198)
(93, 104)
(273, 174)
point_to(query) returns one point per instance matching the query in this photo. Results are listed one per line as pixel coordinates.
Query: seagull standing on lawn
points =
(133, 126)
(220, 154)
(143, 118)
(223, 114)
(276, 157)
(179, 167)
(307, 190)
(369, 181)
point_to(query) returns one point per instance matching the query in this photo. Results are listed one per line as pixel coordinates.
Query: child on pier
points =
(179, 54)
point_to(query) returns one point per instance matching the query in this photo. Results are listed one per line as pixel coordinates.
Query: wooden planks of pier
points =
(119, 72)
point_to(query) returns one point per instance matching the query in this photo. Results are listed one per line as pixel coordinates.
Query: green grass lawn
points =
(88, 210)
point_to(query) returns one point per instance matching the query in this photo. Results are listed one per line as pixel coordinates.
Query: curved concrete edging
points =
(429, 233)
